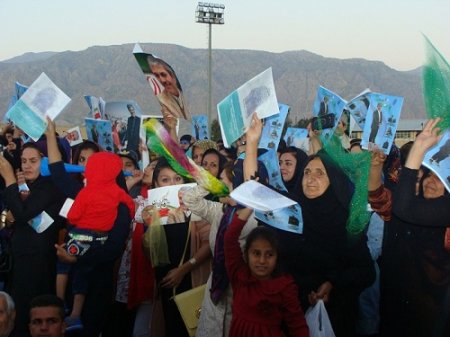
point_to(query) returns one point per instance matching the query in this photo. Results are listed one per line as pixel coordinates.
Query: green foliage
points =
(287, 124)
(215, 130)
(303, 123)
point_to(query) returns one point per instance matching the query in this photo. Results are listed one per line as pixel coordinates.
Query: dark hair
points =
(238, 173)
(299, 154)
(231, 153)
(161, 164)
(228, 169)
(31, 146)
(9, 130)
(281, 146)
(132, 155)
(222, 159)
(404, 151)
(268, 234)
(355, 142)
(48, 300)
(85, 145)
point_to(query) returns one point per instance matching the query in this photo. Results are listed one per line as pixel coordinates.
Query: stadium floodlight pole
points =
(212, 14)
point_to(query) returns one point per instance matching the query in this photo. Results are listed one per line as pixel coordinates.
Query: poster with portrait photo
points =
(96, 107)
(381, 122)
(125, 117)
(327, 111)
(99, 131)
(164, 83)
(43, 98)
(358, 107)
(297, 137)
(437, 159)
(236, 110)
(273, 128)
(288, 219)
(73, 136)
(270, 160)
(167, 199)
(200, 127)
(19, 90)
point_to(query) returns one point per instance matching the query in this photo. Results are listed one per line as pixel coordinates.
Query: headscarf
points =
(325, 217)
(293, 185)
(205, 144)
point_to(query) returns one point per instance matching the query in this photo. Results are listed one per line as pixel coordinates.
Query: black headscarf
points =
(325, 217)
(294, 184)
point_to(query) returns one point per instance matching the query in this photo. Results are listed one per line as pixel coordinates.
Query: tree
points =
(215, 130)
(303, 123)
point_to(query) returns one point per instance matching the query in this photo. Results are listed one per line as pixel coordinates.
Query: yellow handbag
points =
(189, 303)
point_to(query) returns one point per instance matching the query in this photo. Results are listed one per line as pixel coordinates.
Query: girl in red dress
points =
(265, 301)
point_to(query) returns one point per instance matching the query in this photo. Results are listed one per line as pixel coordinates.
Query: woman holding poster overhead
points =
(35, 222)
(415, 264)
(325, 261)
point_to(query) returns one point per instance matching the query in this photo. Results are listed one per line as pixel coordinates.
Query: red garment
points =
(95, 206)
(381, 202)
(260, 306)
(142, 276)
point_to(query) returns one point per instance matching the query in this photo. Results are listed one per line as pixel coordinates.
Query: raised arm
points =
(52, 143)
(253, 135)
(409, 207)
(380, 198)
(424, 141)
(234, 260)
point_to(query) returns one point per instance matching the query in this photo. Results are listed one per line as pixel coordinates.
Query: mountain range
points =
(113, 73)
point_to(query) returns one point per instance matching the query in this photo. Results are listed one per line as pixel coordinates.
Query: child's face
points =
(262, 259)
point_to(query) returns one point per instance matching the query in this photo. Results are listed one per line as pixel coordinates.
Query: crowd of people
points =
(87, 256)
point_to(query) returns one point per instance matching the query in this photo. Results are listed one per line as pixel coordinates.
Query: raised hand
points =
(429, 135)
(424, 141)
(253, 134)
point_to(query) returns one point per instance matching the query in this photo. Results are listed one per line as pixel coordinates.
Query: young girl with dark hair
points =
(264, 298)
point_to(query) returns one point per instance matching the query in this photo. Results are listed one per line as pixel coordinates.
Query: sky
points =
(385, 30)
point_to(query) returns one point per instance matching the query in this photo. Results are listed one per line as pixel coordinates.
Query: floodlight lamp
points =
(210, 13)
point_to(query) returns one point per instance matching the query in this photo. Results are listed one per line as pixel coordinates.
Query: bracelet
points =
(193, 261)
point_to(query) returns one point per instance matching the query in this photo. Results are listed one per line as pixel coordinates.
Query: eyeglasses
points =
(184, 142)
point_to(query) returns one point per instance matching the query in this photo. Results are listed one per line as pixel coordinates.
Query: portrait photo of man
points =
(171, 97)
(165, 84)
(133, 126)
(377, 119)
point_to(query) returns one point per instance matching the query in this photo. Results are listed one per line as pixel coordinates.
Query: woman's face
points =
(168, 177)
(288, 163)
(31, 164)
(197, 154)
(226, 181)
(315, 179)
(211, 163)
(432, 187)
(148, 173)
(84, 155)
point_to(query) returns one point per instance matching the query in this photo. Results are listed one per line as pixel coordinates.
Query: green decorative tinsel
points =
(436, 85)
(356, 166)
